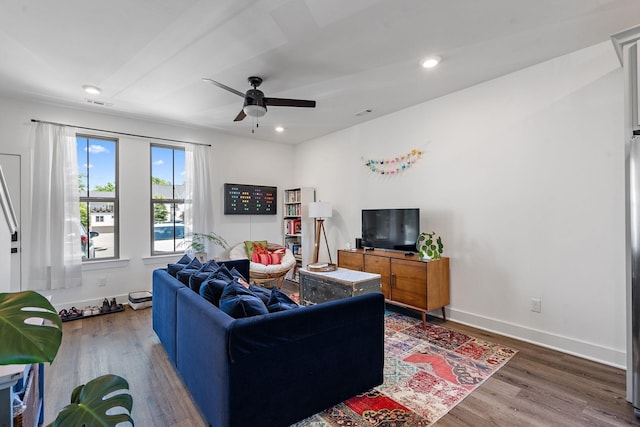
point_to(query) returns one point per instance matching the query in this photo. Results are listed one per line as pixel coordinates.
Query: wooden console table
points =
(406, 280)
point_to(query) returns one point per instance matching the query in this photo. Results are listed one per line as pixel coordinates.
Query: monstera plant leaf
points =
(23, 342)
(89, 404)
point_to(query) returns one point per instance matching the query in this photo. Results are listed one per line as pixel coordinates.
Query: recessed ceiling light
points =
(431, 61)
(93, 90)
(279, 129)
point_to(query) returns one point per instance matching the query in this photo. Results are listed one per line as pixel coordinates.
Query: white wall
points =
(5, 254)
(523, 177)
(238, 160)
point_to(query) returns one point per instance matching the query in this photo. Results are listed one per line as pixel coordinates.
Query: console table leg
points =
(444, 316)
(424, 320)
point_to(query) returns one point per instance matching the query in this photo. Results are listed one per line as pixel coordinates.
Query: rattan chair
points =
(265, 274)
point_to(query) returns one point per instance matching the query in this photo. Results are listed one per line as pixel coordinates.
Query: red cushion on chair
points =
(276, 258)
(265, 259)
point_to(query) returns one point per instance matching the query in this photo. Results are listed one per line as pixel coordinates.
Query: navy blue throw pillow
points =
(263, 293)
(239, 302)
(279, 301)
(236, 273)
(182, 263)
(209, 266)
(211, 290)
(196, 280)
(195, 263)
(223, 272)
(185, 274)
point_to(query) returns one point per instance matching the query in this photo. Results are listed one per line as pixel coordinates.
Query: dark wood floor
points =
(538, 387)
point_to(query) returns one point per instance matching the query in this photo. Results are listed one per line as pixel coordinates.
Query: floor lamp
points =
(320, 211)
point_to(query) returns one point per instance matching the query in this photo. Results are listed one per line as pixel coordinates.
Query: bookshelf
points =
(298, 227)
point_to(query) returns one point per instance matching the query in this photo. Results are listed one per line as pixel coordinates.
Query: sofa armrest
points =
(163, 311)
(315, 356)
(202, 354)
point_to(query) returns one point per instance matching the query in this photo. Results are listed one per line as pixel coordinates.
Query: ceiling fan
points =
(255, 103)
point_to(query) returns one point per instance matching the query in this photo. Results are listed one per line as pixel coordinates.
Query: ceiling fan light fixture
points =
(93, 90)
(431, 61)
(254, 110)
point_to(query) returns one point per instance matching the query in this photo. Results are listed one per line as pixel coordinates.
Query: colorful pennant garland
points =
(394, 166)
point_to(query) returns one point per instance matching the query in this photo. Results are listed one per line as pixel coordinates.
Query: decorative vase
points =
(429, 246)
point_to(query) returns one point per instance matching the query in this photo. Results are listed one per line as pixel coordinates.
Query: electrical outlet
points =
(102, 281)
(536, 305)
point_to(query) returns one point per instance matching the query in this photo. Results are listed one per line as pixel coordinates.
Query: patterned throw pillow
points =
(261, 255)
(251, 245)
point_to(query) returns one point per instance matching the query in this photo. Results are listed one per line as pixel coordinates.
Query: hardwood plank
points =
(538, 387)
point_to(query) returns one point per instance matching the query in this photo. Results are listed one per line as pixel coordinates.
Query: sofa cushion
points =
(279, 301)
(239, 302)
(179, 265)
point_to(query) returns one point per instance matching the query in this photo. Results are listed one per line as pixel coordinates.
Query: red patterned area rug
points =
(426, 373)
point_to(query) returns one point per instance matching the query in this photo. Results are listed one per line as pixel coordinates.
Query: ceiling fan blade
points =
(241, 115)
(283, 102)
(220, 85)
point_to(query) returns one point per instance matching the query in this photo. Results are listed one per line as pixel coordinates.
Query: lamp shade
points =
(320, 210)
(254, 110)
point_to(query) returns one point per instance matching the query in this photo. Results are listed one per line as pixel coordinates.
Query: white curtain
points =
(55, 252)
(199, 192)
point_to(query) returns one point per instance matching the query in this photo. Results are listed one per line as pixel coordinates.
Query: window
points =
(167, 199)
(97, 176)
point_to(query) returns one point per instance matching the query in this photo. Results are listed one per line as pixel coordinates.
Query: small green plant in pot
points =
(25, 343)
(429, 245)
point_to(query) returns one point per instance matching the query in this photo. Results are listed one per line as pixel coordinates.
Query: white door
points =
(10, 164)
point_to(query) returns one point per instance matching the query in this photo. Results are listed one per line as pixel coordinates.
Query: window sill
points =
(161, 259)
(101, 265)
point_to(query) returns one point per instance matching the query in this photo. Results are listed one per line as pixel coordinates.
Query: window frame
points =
(86, 198)
(174, 201)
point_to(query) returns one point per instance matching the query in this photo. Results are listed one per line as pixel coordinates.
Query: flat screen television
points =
(396, 229)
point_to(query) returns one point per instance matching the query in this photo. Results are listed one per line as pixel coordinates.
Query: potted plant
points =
(198, 246)
(429, 245)
(26, 343)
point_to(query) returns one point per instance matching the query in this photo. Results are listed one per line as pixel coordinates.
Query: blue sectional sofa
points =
(273, 369)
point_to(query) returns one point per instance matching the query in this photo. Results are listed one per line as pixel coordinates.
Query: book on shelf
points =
(293, 196)
(293, 226)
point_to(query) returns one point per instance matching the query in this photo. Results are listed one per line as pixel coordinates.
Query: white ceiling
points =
(149, 56)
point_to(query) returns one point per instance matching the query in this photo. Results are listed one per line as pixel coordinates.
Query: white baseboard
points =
(586, 350)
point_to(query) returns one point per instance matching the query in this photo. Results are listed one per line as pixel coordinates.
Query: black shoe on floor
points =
(105, 306)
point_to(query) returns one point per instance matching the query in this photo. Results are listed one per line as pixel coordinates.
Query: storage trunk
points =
(319, 287)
